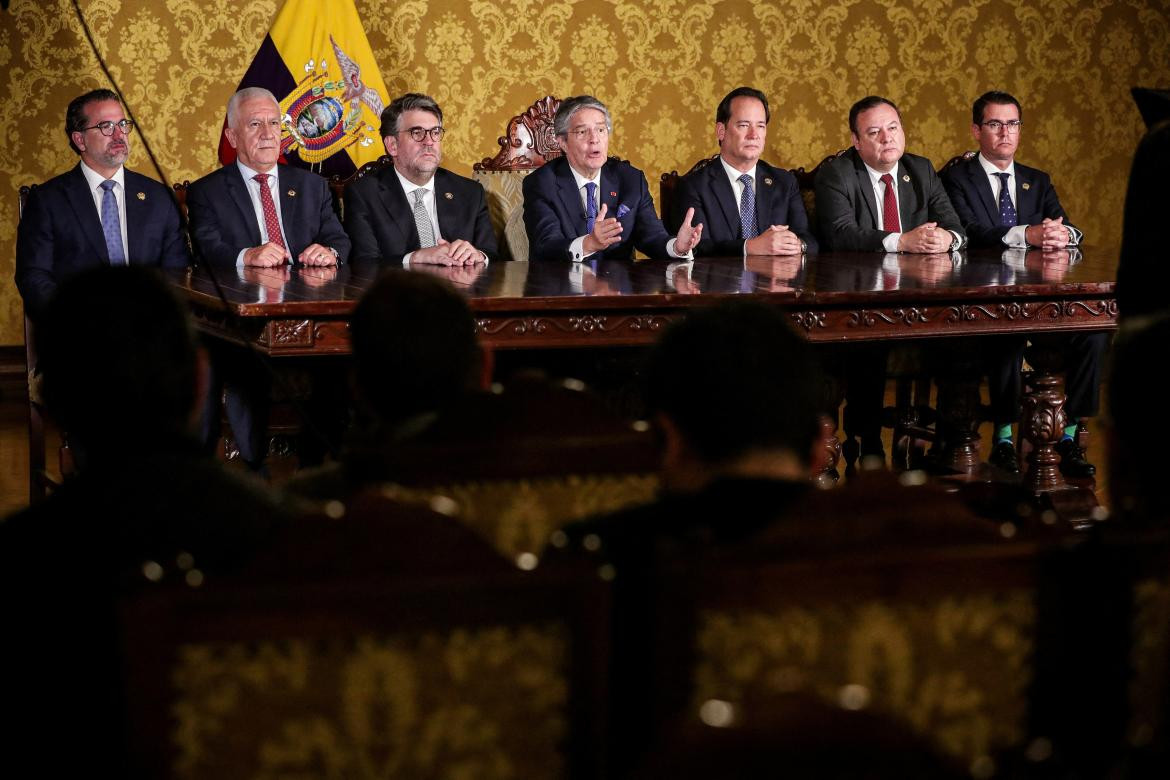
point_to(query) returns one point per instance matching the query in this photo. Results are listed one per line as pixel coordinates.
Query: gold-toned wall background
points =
(660, 65)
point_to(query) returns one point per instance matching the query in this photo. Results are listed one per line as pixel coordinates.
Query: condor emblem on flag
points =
(318, 63)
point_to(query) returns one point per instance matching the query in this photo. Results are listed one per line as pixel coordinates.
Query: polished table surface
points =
(830, 297)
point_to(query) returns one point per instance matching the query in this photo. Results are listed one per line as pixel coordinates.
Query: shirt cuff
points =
(670, 250)
(890, 242)
(577, 250)
(406, 259)
(240, 258)
(956, 242)
(1015, 237)
(1074, 236)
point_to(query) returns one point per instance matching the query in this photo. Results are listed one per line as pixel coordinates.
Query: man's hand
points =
(776, 240)
(688, 236)
(463, 253)
(464, 275)
(927, 238)
(266, 255)
(315, 254)
(682, 282)
(606, 232)
(1049, 234)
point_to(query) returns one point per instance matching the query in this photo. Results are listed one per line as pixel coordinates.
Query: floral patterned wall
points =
(661, 66)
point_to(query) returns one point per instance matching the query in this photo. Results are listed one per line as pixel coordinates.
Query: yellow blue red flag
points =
(318, 63)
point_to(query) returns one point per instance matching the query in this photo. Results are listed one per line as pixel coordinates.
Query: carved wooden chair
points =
(528, 142)
(382, 640)
(337, 183)
(668, 194)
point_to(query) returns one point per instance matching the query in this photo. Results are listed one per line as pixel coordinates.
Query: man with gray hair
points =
(585, 205)
(415, 211)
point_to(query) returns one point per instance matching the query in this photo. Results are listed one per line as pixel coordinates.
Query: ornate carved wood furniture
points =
(667, 194)
(528, 142)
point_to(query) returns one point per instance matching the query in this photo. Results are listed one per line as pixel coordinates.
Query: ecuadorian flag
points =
(318, 63)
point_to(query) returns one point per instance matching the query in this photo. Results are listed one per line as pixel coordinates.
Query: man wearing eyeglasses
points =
(1004, 204)
(79, 219)
(416, 212)
(584, 205)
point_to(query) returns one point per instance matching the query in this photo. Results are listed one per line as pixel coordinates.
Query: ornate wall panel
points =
(661, 65)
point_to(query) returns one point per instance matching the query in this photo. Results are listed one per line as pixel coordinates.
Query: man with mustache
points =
(79, 219)
(416, 212)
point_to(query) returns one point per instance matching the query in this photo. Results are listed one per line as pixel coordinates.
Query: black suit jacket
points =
(380, 219)
(708, 191)
(223, 221)
(969, 188)
(60, 233)
(554, 216)
(849, 214)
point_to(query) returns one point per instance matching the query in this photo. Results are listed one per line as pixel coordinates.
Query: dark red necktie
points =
(890, 207)
(271, 223)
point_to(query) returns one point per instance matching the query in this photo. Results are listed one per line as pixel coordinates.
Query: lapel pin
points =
(767, 181)
(613, 194)
(142, 196)
(905, 177)
(292, 193)
(448, 196)
(1026, 185)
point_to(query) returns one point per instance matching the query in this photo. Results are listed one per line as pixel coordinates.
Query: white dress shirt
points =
(254, 195)
(577, 247)
(1015, 237)
(890, 242)
(94, 180)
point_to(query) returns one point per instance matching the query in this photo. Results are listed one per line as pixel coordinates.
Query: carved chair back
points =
(958, 158)
(669, 210)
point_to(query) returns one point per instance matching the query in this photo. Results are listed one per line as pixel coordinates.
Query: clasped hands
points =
(1049, 234)
(272, 254)
(457, 252)
(607, 231)
(927, 238)
(776, 240)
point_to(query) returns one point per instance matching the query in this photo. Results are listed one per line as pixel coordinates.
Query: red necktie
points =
(271, 223)
(890, 207)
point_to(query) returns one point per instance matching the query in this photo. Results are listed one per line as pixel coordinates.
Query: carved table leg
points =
(829, 475)
(1043, 422)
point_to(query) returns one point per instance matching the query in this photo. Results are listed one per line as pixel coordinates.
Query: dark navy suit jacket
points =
(708, 191)
(60, 233)
(849, 214)
(554, 216)
(969, 188)
(380, 220)
(223, 221)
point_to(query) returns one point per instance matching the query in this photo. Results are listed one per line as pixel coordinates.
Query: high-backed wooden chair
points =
(337, 184)
(528, 142)
(668, 207)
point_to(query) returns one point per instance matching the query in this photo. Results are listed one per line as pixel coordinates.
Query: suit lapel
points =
(396, 204)
(765, 195)
(447, 207)
(725, 196)
(865, 184)
(137, 213)
(909, 196)
(81, 201)
(609, 193)
(291, 197)
(238, 191)
(570, 200)
(980, 183)
(1025, 194)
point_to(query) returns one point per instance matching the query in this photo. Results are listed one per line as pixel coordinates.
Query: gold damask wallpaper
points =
(660, 65)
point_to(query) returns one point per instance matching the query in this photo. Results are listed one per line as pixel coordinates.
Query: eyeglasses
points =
(994, 125)
(582, 133)
(419, 133)
(107, 127)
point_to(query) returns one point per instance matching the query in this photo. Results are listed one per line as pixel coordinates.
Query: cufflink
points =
(141, 196)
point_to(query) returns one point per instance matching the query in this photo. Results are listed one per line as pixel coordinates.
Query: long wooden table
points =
(834, 297)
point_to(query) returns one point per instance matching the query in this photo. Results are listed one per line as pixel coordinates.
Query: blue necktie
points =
(590, 205)
(111, 225)
(1007, 212)
(747, 209)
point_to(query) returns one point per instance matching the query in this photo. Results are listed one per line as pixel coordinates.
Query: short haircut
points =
(411, 101)
(998, 98)
(570, 106)
(247, 93)
(118, 355)
(865, 104)
(414, 346)
(75, 116)
(723, 112)
(735, 378)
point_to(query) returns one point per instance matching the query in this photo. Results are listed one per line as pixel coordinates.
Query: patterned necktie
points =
(422, 220)
(271, 223)
(890, 207)
(590, 205)
(1007, 212)
(747, 209)
(111, 225)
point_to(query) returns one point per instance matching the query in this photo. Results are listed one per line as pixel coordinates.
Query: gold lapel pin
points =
(292, 193)
(1026, 186)
(905, 177)
(142, 196)
(767, 181)
(448, 196)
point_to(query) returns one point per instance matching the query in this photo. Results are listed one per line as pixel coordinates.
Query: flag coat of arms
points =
(318, 63)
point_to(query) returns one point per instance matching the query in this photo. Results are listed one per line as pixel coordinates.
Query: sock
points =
(1003, 433)
(1069, 431)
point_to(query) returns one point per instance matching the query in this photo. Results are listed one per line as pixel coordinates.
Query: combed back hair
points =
(723, 112)
(247, 93)
(996, 97)
(414, 346)
(118, 355)
(735, 378)
(411, 101)
(572, 105)
(865, 104)
(75, 118)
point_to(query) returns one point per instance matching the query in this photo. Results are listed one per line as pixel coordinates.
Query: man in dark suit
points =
(586, 206)
(746, 206)
(258, 213)
(1005, 204)
(79, 219)
(417, 212)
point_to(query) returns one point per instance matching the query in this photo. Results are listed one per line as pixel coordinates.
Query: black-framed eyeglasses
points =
(107, 127)
(419, 133)
(994, 125)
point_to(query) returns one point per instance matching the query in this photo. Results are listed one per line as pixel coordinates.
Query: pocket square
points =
(622, 210)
